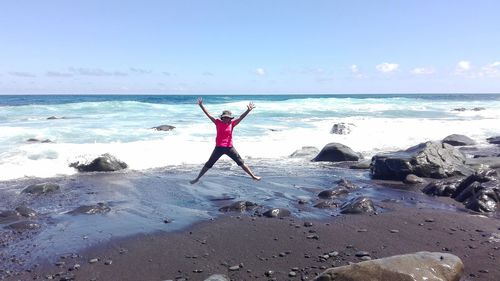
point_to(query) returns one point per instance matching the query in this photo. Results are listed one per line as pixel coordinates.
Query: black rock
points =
(37, 140)
(494, 140)
(104, 163)
(341, 129)
(429, 160)
(326, 205)
(459, 109)
(358, 205)
(8, 216)
(41, 188)
(99, 208)
(24, 225)
(343, 183)
(445, 187)
(239, 206)
(336, 152)
(276, 213)
(164, 128)
(25, 211)
(458, 140)
(330, 193)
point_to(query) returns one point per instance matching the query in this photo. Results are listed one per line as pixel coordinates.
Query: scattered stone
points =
(292, 274)
(93, 260)
(494, 140)
(361, 254)
(24, 225)
(239, 206)
(32, 140)
(394, 231)
(413, 179)
(234, 268)
(341, 128)
(217, 277)
(336, 152)
(325, 204)
(103, 163)
(308, 224)
(99, 208)
(313, 236)
(276, 213)
(108, 262)
(9, 216)
(269, 273)
(361, 165)
(417, 266)
(26, 212)
(442, 187)
(41, 188)
(163, 128)
(358, 205)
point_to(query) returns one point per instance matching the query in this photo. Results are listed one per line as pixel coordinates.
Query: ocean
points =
(90, 125)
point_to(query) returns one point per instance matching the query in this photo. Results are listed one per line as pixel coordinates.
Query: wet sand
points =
(257, 248)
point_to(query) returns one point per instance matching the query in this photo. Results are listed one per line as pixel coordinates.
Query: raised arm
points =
(200, 103)
(250, 107)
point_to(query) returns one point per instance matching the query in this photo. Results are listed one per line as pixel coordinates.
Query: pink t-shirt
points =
(224, 133)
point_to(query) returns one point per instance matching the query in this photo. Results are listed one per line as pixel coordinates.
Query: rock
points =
(41, 188)
(9, 216)
(343, 183)
(412, 179)
(459, 109)
(341, 128)
(99, 208)
(25, 211)
(164, 128)
(37, 140)
(217, 277)
(326, 205)
(330, 193)
(361, 254)
(24, 225)
(234, 268)
(478, 108)
(491, 162)
(55, 118)
(494, 140)
(445, 187)
(362, 165)
(358, 205)
(103, 163)
(336, 152)
(239, 206)
(305, 151)
(410, 267)
(276, 213)
(429, 160)
(458, 140)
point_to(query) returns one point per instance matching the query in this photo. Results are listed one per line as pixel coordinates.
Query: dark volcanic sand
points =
(261, 244)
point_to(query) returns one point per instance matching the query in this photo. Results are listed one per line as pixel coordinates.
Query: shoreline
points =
(259, 245)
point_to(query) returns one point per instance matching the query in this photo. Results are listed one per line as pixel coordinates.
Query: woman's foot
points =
(256, 178)
(193, 181)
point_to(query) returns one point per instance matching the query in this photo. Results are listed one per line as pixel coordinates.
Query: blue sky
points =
(258, 46)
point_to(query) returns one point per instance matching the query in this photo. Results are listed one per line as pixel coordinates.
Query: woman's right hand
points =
(200, 101)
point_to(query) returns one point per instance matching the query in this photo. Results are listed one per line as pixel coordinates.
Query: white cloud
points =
(423, 71)
(260, 72)
(354, 68)
(140, 70)
(490, 70)
(387, 67)
(463, 66)
(95, 72)
(22, 74)
(58, 74)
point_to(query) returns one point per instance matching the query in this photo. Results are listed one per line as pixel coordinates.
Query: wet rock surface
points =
(239, 206)
(429, 159)
(336, 152)
(413, 179)
(341, 128)
(163, 128)
(359, 205)
(494, 140)
(458, 140)
(305, 151)
(26, 212)
(7, 216)
(276, 213)
(99, 208)
(410, 267)
(24, 225)
(41, 188)
(103, 163)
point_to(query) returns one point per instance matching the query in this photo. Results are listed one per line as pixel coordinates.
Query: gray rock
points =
(341, 128)
(103, 163)
(164, 128)
(458, 140)
(336, 152)
(409, 267)
(445, 187)
(331, 193)
(99, 208)
(459, 109)
(217, 277)
(38, 140)
(24, 225)
(412, 179)
(305, 151)
(359, 205)
(429, 160)
(494, 140)
(276, 213)
(8, 216)
(25, 211)
(326, 205)
(361, 165)
(41, 188)
(239, 206)
(492, 162)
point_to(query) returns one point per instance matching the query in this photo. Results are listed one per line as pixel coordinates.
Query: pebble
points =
(308, 224)
(108, 262)
(484, 271)
(394, 231)
(94, 260)
(366, 258)
(198, 271)
(282, 254)
(362, 254)
(314, 236)
(333, 254)
(268, 273)
(429, 220)
(362, 230)
(292, 274)
(234, 268)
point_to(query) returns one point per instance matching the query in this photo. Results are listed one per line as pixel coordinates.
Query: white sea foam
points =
(275, 129)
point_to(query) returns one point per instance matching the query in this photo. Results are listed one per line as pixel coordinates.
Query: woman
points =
(224, 140)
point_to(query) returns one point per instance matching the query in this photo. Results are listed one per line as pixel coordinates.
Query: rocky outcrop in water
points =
(305, 151)
(479, 192)
(240, 206)
(163, 128)
(410, 267)
(429, 159)
(341, 128)
(41, 188)
(276, 213)
(343, 187)
(458, 140)
(337, 152)
(359, 205)
(103, 163)
(34, 140)
(494, 140)
(99, 208)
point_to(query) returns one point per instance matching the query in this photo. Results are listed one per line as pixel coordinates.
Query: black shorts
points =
(219, 151)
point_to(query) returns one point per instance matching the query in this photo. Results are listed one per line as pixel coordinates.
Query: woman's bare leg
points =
(249, 172)
(202, 172)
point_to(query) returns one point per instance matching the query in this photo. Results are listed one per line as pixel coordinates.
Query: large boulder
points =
(41, 188)
(458, 140)
(429, 160)
(409, 267)
(103, 163)
(337, 152)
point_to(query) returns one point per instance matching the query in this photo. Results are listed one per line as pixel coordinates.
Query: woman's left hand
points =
(250, 106)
